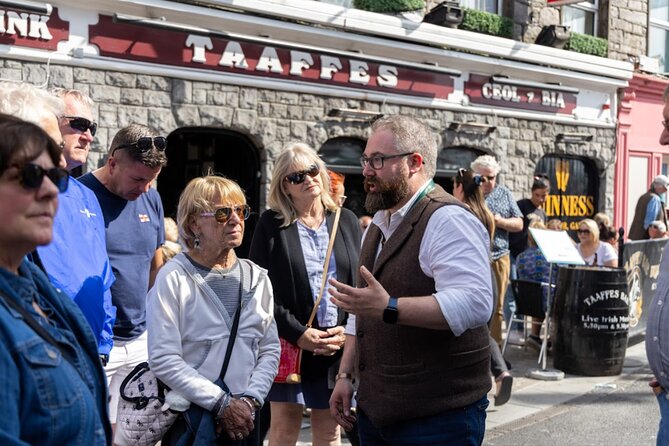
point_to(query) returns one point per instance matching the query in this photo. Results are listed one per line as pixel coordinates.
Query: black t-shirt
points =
(518, 240)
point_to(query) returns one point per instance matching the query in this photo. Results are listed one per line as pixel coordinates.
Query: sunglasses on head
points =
(223, 214)
(145, 143)
(32, 176)
(82, 124)
(299, 177)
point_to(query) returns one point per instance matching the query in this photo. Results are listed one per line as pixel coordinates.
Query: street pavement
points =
(577, 410)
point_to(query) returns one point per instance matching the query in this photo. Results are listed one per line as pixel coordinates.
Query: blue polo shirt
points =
(76, 260)
(134, 230)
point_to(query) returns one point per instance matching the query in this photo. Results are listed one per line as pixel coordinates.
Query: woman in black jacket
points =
(291, 241)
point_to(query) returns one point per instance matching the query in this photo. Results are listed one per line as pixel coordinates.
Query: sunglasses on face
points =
(584, 231)
(223, 214)
(82, 124)
(145, 143)
(32, 176)
(300, 176)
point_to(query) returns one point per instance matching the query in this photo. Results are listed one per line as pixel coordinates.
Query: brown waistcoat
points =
(637, 231)
(409, 372)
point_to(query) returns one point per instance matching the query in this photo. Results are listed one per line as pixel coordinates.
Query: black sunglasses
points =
(584, 231)
(223, 214)
(82, 124)
(32, 176)
(299, 177)
(145, 143)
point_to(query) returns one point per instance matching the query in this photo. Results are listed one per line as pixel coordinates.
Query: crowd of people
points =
(397, 333)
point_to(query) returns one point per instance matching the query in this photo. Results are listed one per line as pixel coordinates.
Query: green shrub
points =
(486, 23)
(586, 44)
(389, 5)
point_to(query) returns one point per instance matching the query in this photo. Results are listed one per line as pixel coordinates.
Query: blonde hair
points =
(554, 222)
(535, 224)
(602, 219)
(199, 195)
(592, 226)
(296, 156)
(171, 230)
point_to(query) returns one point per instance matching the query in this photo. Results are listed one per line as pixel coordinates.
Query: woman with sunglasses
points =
(191, 312)
(53, 386)
(594, 251)
(291, 241)
(467, 188)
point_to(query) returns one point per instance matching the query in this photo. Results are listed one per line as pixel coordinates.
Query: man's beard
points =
(387, 193)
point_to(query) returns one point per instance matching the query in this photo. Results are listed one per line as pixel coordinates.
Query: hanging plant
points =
(389, 5)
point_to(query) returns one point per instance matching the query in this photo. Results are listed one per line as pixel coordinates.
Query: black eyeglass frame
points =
(81, 124)
(222, 215)
(301, 175)
(32, 176)
(374, 161)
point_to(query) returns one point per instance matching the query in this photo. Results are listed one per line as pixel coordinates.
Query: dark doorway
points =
(343, 155)
(196, 151)
(449, 160)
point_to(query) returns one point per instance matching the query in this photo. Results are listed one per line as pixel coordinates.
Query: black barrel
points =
(590, 321)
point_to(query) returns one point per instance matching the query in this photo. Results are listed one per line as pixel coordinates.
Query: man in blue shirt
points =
(76, 260)
(133, 216)
(649, 208)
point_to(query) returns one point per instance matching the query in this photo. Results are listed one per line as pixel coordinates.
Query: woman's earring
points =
(196, 242)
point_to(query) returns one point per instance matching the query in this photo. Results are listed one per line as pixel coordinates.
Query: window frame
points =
(587, 7)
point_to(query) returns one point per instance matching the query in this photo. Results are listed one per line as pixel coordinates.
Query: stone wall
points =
(627, 28)
(271, 119)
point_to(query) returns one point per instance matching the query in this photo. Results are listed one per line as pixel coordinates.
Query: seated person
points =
(657, 229)
(593, 251)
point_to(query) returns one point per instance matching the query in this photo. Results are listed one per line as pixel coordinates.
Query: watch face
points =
(390, 315)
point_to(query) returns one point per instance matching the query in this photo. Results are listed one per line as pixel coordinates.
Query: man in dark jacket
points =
(649, 208)
(419, 344)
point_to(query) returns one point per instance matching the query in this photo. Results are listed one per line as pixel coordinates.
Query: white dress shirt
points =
(455, 252)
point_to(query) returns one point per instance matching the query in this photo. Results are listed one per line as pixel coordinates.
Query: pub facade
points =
(230, 83)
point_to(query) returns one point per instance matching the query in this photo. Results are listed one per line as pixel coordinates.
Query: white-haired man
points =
(649, 208)
(508, 218)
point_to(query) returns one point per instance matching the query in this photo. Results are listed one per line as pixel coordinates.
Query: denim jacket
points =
(48, 395)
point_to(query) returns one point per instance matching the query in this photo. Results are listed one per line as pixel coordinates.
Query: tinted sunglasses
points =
(584, 231)
(145, 143)
(32, 176)
(82, 124)
(223, 214)
(299, 177)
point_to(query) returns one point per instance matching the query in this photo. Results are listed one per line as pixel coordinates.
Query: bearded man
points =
(418, 344)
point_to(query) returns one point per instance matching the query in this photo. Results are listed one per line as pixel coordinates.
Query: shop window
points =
(574, 189)
(449, 160)
(581, 17)
(343, 155)
(492, 6)
(658, 33)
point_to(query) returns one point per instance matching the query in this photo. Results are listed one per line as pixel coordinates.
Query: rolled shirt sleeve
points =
(455, 252)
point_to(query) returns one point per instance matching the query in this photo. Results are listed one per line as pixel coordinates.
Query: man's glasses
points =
(82, 124)
(145, 143)
(223, 214)
(300, 176)
(376, 161)
(32, 176)
(584, 231)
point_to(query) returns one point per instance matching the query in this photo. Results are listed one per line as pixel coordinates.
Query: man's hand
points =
(370, 301)
(340, 404)
(655, 385)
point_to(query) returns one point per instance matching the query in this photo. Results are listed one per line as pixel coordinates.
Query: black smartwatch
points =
(390, 313)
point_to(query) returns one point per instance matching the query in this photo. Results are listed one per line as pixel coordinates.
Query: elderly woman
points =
(192, 307)
(593, 251)
(51, 380)
(291, 241)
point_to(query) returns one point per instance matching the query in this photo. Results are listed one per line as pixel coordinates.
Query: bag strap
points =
(235, 324)
(326, 266)
(30, 320)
